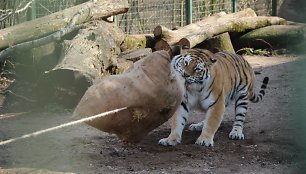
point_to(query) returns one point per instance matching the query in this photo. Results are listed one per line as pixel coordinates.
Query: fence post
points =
(274, 7)
(32, 12)
(234, 6)
(189, 11)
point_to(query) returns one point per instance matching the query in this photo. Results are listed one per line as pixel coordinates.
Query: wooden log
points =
(89, 55)
(276, 36)
(195, 33)
(163, 45)
(218, 43)
(48, 24)
(242, 24)
(172, 37)
(35, 44)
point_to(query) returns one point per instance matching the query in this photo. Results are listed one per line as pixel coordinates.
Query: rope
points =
(61, 126)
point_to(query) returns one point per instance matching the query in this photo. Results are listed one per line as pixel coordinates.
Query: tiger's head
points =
(194, 65)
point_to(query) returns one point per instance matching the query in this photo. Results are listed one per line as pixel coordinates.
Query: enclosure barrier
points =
(143, 15)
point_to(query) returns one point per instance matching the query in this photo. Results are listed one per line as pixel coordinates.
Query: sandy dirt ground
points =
(270, 145)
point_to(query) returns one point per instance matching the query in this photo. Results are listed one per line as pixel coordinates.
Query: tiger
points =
(210, 82)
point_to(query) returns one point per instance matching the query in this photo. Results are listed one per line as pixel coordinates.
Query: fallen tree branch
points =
(7, 13)
(4, 14)
(25, 7)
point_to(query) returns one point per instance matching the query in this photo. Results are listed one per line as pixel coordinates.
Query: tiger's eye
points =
(185, 62)
(198, 69)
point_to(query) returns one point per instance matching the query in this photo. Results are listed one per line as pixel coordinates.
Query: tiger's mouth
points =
(196, 80)
(192, 79)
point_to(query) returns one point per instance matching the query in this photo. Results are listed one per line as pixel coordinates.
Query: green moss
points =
(238, 27)
(132, 43)
(242, 27)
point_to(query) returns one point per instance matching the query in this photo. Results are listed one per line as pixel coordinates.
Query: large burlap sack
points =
(148, 89)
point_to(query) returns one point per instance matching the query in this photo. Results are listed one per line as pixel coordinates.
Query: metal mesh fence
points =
(43, 8)
(261, 7)
(143, 15)
(203, 8)
(34, 9)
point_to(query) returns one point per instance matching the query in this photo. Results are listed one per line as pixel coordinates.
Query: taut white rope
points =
(61, 126)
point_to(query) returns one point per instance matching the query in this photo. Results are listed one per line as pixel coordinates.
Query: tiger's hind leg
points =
(241, 107)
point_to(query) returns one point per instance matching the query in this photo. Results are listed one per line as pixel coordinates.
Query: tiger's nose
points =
(186, 75)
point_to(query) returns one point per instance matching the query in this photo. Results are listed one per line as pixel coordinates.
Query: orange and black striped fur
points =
(211, 82)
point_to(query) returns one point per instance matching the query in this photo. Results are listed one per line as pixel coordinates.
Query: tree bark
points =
(88, 56)
(48, 24)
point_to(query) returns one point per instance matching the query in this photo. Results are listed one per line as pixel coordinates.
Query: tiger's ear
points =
(183, 48)
(213, 60)
(184, 44)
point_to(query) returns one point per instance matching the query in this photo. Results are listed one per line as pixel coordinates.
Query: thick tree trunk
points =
(276, 36)
(88, 56)
(46, 25)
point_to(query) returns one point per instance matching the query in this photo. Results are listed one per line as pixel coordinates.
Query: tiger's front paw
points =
(168, 142)
(209, 142)
(236, 134)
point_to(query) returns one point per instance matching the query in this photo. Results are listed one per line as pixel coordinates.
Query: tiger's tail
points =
(258, 97)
